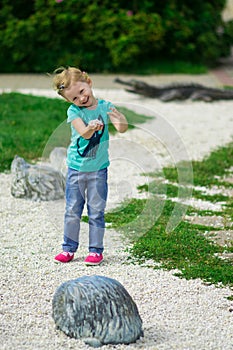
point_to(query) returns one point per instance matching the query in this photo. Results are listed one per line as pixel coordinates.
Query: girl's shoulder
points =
(73, 108)
(73, 112)
(104, 103)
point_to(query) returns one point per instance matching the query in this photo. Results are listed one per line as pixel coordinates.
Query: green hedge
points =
(39, 35)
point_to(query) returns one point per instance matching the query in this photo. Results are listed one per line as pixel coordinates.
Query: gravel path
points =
(177, 314)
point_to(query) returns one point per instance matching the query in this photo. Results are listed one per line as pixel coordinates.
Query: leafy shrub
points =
(39, 35)
(126, 37)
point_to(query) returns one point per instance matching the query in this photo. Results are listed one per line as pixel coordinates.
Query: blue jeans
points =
(81, 187)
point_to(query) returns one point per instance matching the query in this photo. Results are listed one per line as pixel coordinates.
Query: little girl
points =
(87, 160)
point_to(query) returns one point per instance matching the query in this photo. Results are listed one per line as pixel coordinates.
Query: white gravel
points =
(177, 314)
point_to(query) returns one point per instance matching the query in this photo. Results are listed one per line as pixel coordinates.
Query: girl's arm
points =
(86, 131)
(118, 120)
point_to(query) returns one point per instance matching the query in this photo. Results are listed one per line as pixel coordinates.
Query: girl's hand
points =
(115, 114)
(95, 125)
(118, 120)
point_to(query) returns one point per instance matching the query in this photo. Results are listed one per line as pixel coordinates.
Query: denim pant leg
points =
(97, 190)
(75, 200)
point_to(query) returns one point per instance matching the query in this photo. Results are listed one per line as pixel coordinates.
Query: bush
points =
(126, 37)
(39, 35)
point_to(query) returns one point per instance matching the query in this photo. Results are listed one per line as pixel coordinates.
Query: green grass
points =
(207, 171)
(158, 187)
(28, 122)
(186, 248)
(171, 191)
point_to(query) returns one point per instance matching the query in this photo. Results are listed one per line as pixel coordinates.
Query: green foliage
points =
(227, 38)
(99, 36)
(131, 38)
(194, 31)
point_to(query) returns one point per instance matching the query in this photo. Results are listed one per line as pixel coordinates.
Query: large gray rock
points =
(36, 182)
(98, 310)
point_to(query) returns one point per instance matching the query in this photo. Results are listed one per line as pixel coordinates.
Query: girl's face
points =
(80, 93)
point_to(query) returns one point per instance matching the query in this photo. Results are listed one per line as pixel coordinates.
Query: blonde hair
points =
(65, 76)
